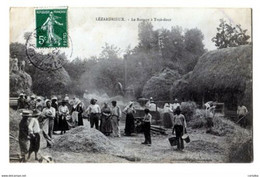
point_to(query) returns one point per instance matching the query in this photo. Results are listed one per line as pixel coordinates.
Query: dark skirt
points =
(56, 126)
(129, 124)
(147, 133)
(80, 119)
(63, 124)
(35, 143)
(106, 125)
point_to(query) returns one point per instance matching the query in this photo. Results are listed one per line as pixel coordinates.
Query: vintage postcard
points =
(130, 85)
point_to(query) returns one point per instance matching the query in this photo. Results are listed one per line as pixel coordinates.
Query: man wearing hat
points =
(24, 134)
(175, 105)
(21, 102)
(34, 132)
(32, 103)
(48, 114)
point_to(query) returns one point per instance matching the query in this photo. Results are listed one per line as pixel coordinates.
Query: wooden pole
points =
(125, 78)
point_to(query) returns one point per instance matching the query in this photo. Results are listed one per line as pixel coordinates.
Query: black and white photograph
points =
(130, 85)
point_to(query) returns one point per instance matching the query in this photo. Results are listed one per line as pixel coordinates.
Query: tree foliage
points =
(173, 48)
(230, 36)
(193, 41)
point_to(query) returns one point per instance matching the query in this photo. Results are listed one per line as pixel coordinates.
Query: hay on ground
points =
(85, 139)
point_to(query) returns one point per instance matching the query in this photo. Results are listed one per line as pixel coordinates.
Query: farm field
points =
(203, 148)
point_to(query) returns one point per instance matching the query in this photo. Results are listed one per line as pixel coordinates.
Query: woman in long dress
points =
(130, 121)
(167, 116)
(54, 104)
(79, 108)
(106, 124)
(49, 27)
(63, 113)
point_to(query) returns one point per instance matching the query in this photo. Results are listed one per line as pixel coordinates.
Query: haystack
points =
(20, 82)
(159, 85)
(228, 69)
(180, 88)
(85, 139)
(225, 75)
(55, 82)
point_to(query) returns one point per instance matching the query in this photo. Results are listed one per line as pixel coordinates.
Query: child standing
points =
(147, 127)
(34, 132)
(179, 127)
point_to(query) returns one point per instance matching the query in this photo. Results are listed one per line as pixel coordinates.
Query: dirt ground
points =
(203, 148)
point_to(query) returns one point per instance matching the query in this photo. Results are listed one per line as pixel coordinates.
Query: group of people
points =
(105, 119)
(50, 116)
(47, 115)
(53, 116)
(29, 132)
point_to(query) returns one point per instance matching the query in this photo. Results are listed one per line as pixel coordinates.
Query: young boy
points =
(34, 132)
(147, 127)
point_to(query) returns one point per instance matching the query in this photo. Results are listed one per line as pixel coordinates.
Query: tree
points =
(171, 43)
(109, 52)
(229, 36)
(193, 41)
(148, 38)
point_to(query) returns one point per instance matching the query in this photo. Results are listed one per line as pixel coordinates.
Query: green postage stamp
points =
(51, 28)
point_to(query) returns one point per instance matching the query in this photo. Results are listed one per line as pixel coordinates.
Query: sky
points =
(88, 35)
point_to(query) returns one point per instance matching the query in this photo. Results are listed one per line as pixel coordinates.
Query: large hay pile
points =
(180, 88)
(85, 139)
(223, 69)
(20, 82)
(224, 75)
(159, 86)
(56, 82)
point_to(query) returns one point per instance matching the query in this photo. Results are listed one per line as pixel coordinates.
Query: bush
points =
(188, 109)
